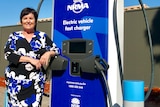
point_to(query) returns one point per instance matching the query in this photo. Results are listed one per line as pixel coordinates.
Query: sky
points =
(10, 9)
(150, 3)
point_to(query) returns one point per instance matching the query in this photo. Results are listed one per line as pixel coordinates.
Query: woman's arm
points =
(50, 50)
(34, 62)
(45, 58)
(9, 50)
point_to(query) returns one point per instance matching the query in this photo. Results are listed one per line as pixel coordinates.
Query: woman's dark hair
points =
(28, 10)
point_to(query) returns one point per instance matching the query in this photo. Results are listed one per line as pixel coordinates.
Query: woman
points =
(27, 52)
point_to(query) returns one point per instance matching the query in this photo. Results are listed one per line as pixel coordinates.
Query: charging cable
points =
(117, 39)
(151, 52)
(101, 66)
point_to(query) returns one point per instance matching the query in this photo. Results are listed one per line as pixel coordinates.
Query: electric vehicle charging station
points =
(83, 28)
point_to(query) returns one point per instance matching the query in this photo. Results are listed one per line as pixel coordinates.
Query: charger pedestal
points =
(88, 20)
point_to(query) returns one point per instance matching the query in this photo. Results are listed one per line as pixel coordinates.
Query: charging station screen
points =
(77, 47)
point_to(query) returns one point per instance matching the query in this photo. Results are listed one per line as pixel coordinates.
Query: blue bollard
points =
(133, 93)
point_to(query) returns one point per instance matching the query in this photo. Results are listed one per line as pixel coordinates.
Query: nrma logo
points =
(77, 6)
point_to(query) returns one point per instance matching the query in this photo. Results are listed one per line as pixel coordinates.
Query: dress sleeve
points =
(51, 46)
(10, 50)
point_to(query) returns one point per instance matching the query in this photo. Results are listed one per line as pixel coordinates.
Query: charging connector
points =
(96, 65)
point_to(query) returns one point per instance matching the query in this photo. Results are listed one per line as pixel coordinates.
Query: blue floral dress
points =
(25, 84)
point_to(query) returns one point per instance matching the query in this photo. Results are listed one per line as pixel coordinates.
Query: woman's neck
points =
(28, 35)
(28, 31)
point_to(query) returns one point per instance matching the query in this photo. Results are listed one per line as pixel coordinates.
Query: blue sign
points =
(85, 19)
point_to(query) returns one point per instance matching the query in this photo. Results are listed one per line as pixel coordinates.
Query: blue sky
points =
(151, 3)
(10, 9)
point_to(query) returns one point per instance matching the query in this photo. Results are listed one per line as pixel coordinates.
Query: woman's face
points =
(28, 22)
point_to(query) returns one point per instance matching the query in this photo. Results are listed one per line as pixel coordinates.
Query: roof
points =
(136, 7)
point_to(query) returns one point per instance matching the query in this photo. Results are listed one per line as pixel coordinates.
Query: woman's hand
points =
(34, 62)
(45, 58)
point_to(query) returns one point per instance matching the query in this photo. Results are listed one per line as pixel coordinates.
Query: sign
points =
(85, 19)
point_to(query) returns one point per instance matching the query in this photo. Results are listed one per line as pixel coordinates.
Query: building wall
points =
(4, 33)
(137, 58)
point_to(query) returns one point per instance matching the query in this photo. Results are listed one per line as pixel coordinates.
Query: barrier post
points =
(133, 93)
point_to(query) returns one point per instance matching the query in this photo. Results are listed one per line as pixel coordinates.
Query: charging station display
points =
(86, 23)
(77, 50)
